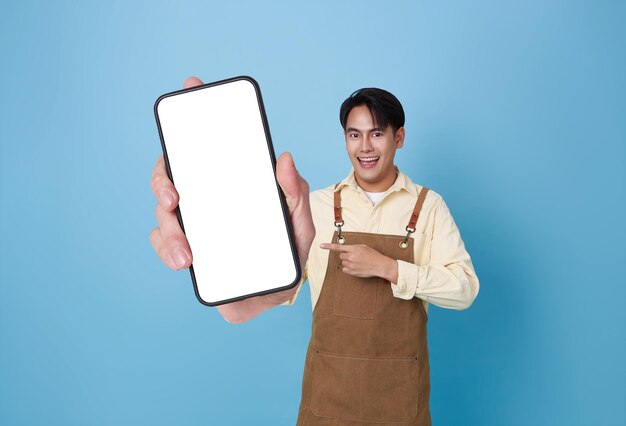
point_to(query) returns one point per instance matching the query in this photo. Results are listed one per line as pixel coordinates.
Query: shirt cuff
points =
(408, 277)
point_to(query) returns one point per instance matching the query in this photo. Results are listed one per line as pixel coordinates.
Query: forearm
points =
(452, 286)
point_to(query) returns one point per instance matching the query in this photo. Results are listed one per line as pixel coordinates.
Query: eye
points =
(353, 135)
(377, 134)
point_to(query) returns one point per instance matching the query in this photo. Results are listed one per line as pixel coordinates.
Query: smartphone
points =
(218, 152)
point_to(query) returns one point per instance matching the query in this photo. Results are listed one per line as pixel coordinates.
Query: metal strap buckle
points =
(404, 243)
(340, 238)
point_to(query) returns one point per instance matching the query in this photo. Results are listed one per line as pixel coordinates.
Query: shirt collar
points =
(402, 183)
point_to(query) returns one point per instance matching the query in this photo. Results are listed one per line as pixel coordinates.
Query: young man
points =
(377, 248)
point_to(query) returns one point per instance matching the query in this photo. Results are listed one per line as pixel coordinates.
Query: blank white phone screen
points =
(221, 164)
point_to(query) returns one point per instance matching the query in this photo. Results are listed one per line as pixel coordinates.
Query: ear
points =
(399, 137)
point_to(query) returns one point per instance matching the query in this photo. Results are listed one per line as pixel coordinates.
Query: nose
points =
(366, 144)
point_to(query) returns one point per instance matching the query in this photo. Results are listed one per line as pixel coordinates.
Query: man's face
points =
(371, 150)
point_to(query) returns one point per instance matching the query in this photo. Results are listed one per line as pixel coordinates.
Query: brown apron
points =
(367, 361)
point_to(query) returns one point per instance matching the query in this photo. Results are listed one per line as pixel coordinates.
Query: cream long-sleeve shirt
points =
(442, 271)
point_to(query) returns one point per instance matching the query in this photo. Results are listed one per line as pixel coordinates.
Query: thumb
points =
(288, 177)
(297, 196)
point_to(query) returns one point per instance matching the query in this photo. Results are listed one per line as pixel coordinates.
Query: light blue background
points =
(516, 114)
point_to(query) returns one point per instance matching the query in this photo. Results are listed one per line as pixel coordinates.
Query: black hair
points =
(385, 108)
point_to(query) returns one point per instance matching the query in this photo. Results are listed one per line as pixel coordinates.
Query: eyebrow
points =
(375, 129)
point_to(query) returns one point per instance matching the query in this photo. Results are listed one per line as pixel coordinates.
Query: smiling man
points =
(384, 248)
(381, 249)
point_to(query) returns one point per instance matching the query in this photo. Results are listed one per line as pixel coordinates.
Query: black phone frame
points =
(282, 198)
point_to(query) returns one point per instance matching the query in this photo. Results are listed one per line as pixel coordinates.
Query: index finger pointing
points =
(334, 247)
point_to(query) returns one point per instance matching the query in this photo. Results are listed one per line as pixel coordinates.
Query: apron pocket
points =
(364, 389)
(336, 386)
(355, 297)
(389, 389)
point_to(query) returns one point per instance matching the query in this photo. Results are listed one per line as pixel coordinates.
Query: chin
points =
(368, 177)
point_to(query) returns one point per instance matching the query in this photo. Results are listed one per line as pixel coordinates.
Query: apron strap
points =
(338, 218)
(418, 207)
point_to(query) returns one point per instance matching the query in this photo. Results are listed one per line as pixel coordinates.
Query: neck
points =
(381, 186)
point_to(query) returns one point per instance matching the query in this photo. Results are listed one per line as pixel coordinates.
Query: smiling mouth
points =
(368, 161)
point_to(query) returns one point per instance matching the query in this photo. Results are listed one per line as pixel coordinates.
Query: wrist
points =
(275, 299)
(390, 270)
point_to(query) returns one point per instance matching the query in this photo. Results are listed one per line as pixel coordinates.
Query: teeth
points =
(368, 158)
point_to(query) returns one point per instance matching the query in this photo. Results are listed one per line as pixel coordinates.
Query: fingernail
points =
(180, 257)
(167, 199)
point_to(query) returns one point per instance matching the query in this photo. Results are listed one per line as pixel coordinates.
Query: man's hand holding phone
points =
(170, 242)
